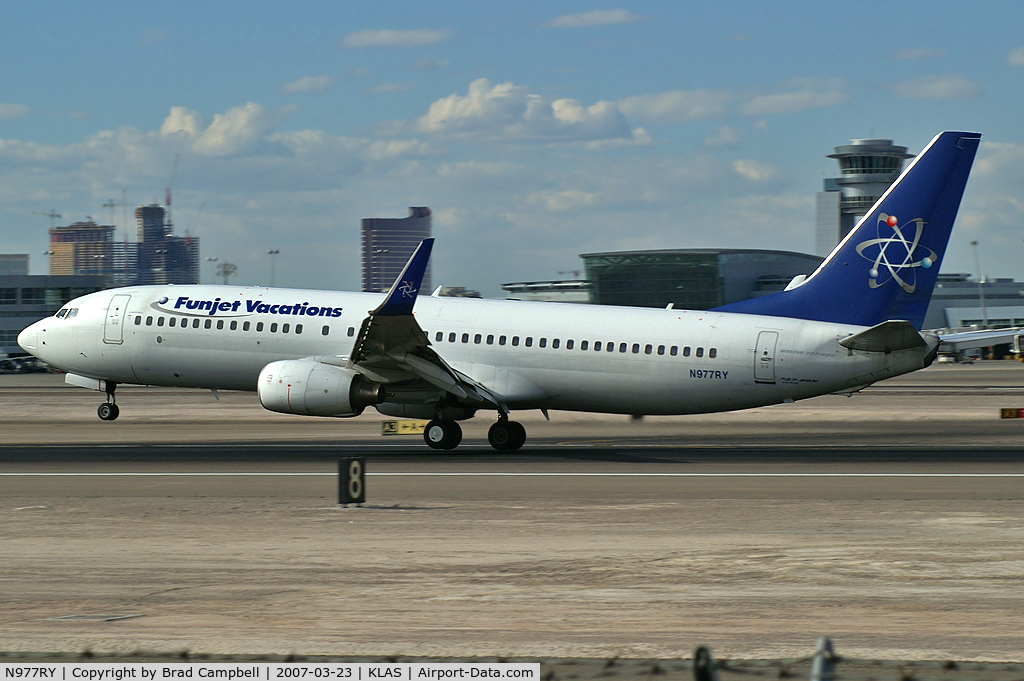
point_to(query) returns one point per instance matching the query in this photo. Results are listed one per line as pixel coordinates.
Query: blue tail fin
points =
(887, 265)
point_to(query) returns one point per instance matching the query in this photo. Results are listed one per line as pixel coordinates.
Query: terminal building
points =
(387, 245)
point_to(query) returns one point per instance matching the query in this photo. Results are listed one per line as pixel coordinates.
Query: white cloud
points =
(234, 132)
(390, 38)
(428, 64)
(916, 53)
(1015, 57)
(677, 106)
(309, 84)
(798, 95)
(387, 88)
(724, 137)
(938, 87)
(755, 170)
(10, 111)
(509, 113)
(599, 17)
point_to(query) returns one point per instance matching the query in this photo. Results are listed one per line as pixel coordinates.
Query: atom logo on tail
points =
(896, 254)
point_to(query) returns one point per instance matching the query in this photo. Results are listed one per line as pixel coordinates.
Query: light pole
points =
(981, 291)
(273, 255)
(212, 260)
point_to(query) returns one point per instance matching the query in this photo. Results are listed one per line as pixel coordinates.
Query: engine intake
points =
(315, 389)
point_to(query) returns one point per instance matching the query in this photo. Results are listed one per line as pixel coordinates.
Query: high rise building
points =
(868, 167)
(163, 257)
(158, 257)
(388, 243)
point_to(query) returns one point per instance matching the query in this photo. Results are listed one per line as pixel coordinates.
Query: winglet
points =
(402, 296)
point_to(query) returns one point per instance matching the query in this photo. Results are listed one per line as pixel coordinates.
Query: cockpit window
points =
(73, 312)
(61, 312)
(66, 312)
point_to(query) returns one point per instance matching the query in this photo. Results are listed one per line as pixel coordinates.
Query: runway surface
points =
(602, 538)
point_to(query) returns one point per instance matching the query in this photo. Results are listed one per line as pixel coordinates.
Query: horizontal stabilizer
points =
(885, 337)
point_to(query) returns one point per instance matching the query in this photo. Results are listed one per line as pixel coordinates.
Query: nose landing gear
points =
(108, 411)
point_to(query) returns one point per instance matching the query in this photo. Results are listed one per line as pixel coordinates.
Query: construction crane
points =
(52, 215)
(170, 188)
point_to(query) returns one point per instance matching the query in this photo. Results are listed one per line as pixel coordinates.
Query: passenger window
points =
(569, 344)
(636, 348)
(597, 346)
(501, 340)
(477, 339)
(351, 331)
(285, 327)
(610, 347)
(259, 326)
(648, 349)
(543, 342)
(138, 320)
(159, 321)
(273, 327)
(149, 321)
(439, 337)
(245, 327)
(712, 353)
(451, 337)
(490, 339)
(700, 352)
(465, 338)
(661, 349)
(323, 332)
(529, 341)
(622, 347)
(220, 324)
(586, 344)
(686, 351)
(515, 341)
(208, 323)
(172, 321)
(195, 323)
(234, 325)
(298, 328)
(674, 351)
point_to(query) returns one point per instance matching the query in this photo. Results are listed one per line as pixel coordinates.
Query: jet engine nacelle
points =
(315, 389)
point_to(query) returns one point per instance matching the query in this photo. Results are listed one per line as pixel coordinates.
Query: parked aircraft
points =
(854, 321)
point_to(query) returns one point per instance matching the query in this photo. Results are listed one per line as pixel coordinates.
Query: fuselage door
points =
(764, 357)
(113, 327)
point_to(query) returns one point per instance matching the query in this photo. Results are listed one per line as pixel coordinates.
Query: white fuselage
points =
(535, 355)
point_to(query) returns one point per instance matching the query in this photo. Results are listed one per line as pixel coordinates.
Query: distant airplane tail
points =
(886, 267)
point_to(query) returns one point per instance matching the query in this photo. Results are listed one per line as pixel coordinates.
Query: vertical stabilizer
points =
(886, 267)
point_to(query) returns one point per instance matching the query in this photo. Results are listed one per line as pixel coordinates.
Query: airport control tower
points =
(868, 168)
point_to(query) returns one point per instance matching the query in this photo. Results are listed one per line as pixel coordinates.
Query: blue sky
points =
(535, 131)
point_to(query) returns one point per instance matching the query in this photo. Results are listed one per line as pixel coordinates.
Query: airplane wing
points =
(392, 348)
(965, 340)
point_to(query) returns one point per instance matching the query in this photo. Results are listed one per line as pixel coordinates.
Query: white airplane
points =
(854, 321)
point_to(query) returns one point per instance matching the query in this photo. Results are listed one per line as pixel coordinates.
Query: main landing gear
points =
(442, 434)
(504, 435)
(108, 411)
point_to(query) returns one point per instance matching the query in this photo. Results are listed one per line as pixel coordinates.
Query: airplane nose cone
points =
(29, 339)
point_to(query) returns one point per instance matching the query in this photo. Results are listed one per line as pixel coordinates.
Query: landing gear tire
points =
(108, 411)
(442, 434)
(507, 436)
